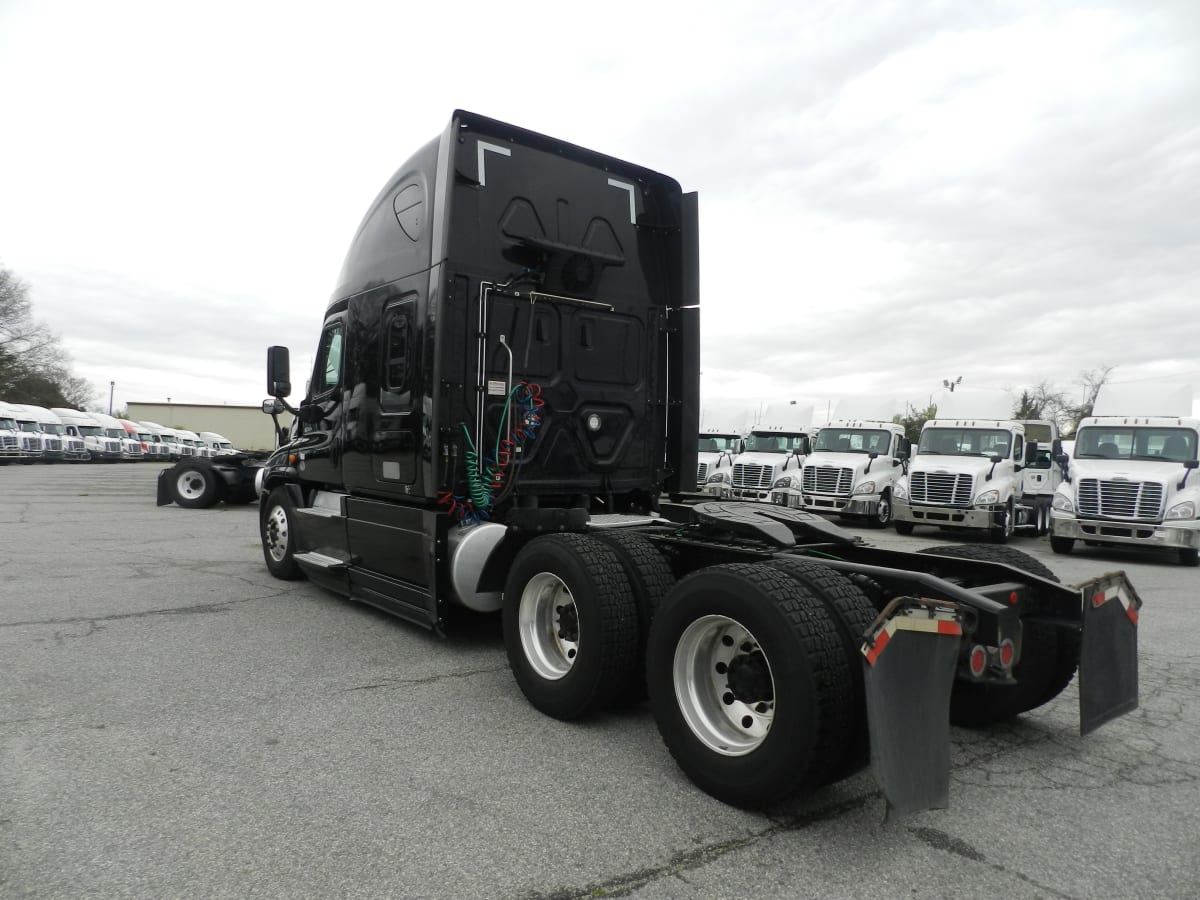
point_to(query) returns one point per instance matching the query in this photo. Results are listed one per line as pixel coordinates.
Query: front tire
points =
(904, 527)
(570, 625)
(276, 527)
(196, 487)
(1062, 545)
(1189, 556)
(1003, 529)
(883, 512)
(748, 685)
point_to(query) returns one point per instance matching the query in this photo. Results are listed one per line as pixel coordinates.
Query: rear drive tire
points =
(276, 526)
(651, 580)
(748, 684)
(1049, 655)
(853, 614)
(570, 625)
(196, 487)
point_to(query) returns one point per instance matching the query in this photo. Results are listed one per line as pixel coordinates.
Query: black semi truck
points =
(502, 416)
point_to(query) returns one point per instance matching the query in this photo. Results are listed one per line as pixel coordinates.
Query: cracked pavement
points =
(175, 722)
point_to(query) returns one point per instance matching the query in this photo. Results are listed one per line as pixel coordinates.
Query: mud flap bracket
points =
(909, 662)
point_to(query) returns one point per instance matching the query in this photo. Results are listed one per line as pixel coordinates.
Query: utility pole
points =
(111, 386)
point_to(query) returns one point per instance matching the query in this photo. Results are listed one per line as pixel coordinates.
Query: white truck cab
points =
(131, 447)
(850, 471)
(57, 440)
(29, 433)
(192, 441)
(715, 451)
(966, 473)
(219, 445)
(1133, 480)
(80, 425)
(10, 437)
(777, 445)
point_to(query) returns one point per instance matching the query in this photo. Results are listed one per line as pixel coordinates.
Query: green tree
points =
(914, 420)
(34, 368)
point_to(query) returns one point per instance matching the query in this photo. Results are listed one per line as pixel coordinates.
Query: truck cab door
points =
(320, 440)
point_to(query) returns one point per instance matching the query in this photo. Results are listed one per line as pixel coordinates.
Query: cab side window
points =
(327, 371)
(1018, 448)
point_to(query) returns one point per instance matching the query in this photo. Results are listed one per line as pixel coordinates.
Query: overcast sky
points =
(891, 194)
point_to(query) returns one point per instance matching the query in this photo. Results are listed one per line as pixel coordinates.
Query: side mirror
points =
(279, 378)
(1056, 447)
(1192, 464)
(1031, 452)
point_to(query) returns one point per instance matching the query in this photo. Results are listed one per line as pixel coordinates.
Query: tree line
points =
(34, 367)
(1042, 401)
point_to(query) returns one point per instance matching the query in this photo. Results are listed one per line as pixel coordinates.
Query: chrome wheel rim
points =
(549, 626)
(190, 485)
(723, 685)
(277, 533)
(884, 511)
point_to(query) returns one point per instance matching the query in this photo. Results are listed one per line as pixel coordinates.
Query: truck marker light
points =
(1013, 598)
(593, 422)
(1007, 651)
(977, 660)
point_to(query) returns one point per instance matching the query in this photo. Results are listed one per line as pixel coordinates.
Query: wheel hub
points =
(750, 679)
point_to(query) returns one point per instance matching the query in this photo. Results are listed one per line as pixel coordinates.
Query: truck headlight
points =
(1184, 510)
(899, 491)
(784, 482)
(718, 478)
(1062, 503)
(867, 487)
(988, 498)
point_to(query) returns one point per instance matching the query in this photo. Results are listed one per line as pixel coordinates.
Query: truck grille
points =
(75, 446)
(828, 480)
(1120, 499)
(701, 473)
(53, 444)
(112, 446)
(9, 441)
(31, 443)
(941, 489)
(753, 476)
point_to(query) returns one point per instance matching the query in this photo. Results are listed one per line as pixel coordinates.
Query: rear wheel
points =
(748, 683)
(853, 614)
(570, 625)
(651, 580)
(196, 487)
(1049, 655)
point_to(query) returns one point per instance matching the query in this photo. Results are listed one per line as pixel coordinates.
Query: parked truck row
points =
(502, 416)
(34, 434)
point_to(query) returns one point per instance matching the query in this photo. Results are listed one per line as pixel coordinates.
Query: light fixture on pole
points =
(952, 384)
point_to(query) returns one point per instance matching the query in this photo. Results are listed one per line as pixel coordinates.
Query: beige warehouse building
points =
(246, 427)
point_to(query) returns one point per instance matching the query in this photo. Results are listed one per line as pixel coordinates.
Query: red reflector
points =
(1098, 598)
(1132, 613)
(978, 660)
(1006, 653)
(1012, 599)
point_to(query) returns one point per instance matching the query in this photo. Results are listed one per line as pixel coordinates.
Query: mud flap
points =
(909, 666)
(164, 490)
(1108, 669)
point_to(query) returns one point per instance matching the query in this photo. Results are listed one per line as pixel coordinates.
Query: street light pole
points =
(111, 386)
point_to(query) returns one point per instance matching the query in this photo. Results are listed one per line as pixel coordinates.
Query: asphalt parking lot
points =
(175, 722)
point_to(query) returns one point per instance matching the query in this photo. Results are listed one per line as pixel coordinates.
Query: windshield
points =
(853, 440)
(90, 430)
(1103, 442)
(114, 432)
(965, 442)
(774, 442)
(8, 425)
(29, 426)
(708, 443)
(1037, 432)
(53, 429)
(169, 439)
(148, 438)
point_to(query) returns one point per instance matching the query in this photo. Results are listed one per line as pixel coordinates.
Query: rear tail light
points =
(1007, 651)
(977, 661)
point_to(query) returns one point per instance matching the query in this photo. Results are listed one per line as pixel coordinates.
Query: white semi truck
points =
(967, 471)
(10, 437)
(99, 446)
(28, 433)
(850, 472)
(779, 443)
(716, 449)
(1132, 481)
